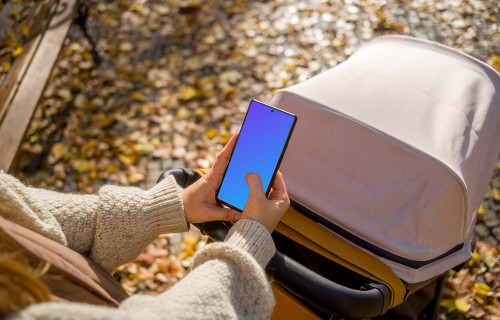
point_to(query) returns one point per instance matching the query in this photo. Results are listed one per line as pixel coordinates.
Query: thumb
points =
(255, 184)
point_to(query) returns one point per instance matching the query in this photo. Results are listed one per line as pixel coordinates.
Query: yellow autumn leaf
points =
(136, 7)
(137, 78)
(83, 184)
(481, 210)
(108, 120)
(463, 305)
(10, 40)
(481, 290)
(81, 165)
(17, 52)
(191, 241)
(86, 55)
(5, 67)
(211, 133)
(489, 259)
(25, 30)
(188, 93)
(495, 194)
(136, 177)
(449, 304)
(200, 112)
(14, 13)
(142, 148)
(474, 260)
(147, 108)
(57, 151)
(112, 168)
(189, 244)
(137, 96)
(186, 253)
(128, 159)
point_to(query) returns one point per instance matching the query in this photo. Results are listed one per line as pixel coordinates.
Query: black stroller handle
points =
(326, 294)
(368, 302)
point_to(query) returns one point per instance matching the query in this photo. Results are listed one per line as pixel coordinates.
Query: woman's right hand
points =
(266, 210)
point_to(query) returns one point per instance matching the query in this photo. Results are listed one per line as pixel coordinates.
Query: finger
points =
(223, 158)
(255, 184)
(222, 214)
(278, 188)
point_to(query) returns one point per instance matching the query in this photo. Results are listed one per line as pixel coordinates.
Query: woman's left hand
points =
(199, 198)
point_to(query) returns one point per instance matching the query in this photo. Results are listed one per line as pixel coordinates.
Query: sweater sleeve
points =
(227, 282)
(113, 226)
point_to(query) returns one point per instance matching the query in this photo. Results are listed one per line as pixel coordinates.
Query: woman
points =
(227, 279)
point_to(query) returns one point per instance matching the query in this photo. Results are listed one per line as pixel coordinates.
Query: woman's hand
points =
(199, 198)
(268, 211)
(200, 204)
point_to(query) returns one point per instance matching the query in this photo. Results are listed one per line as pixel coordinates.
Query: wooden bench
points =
(22, 86)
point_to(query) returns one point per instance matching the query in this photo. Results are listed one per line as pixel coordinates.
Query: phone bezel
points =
(279, 160)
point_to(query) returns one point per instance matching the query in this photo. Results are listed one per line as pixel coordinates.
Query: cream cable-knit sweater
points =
(227, 280)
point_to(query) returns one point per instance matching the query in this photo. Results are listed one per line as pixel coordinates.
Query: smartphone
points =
(259, 149)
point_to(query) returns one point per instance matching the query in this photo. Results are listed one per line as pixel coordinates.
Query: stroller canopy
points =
(393, 150)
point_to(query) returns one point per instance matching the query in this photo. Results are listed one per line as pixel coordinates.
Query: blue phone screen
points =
(259, 148)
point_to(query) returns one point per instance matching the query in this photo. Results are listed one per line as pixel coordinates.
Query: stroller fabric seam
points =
(414, 264)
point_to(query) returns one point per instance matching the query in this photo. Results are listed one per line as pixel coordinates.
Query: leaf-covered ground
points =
(175, 82)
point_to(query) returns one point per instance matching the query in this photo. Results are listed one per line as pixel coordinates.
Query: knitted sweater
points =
(227, 280)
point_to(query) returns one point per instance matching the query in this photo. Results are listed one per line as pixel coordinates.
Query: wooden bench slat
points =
(18, 116)
(8, 85)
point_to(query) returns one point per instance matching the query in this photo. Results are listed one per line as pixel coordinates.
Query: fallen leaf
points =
(481, 210)
(137, 96)
(17, 52)
(188, 93)
(25, 30)
(449, 304)
(136, 177)
(5, 67)
(57, 151)
(495, 194)
(81, 165)
(211, 133)
(462, 305)
(14, 13)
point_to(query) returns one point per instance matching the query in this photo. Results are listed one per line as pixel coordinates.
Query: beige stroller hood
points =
(393, 150)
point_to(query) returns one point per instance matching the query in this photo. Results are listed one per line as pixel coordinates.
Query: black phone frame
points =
(279, 160)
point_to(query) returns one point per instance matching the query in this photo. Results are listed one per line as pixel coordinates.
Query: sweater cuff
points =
(253, 237)
(163, 210)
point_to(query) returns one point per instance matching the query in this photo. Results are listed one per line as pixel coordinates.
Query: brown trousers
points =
(71, 277)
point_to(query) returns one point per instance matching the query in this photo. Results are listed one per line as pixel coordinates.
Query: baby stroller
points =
(391, 155)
